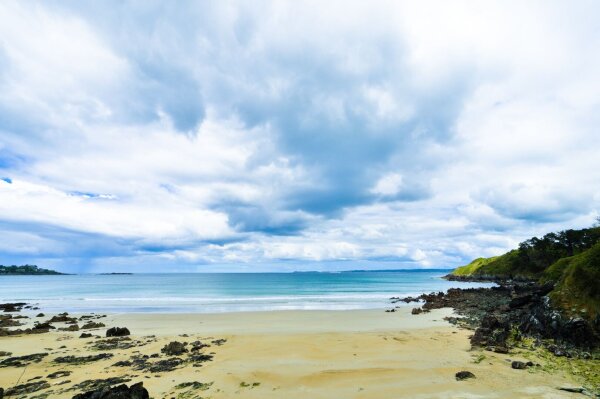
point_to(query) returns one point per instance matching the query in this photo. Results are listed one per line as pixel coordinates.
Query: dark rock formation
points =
(493, 331)
(93, 385)
(92, 324)
(174, 348)
(198, 359)
(9, 321)
(522, 308)
(62, 318)
(199, 345)
(59, 374)
(115, 343)
(141, 362)
(83, 359)
(21, 361)
(72, 327)
(123, 363)
(464, 375)
(24, 389)
(85, 335)
(43, 326)
(117, 332)
(136, 391)
(12, 307)
(518, 365)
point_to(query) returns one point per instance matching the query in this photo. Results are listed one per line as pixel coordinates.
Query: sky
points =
(152, 136)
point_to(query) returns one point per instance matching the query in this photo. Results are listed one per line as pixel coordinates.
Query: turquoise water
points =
(220, 292)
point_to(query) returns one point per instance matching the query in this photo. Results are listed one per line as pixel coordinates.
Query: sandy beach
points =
(291, 354)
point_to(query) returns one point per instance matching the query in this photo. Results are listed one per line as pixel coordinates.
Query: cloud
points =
(233, 135)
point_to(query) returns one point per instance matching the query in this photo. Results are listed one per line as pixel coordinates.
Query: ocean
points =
(221, 292)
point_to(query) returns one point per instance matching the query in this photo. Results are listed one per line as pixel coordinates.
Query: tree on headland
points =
(25, 270)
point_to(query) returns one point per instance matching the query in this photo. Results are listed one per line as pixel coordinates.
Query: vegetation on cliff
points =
(25, 270)
(569, 259)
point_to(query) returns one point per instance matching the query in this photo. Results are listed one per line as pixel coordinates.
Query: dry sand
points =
(297, 354)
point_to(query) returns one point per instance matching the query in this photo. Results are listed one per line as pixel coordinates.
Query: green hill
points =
(570, 259)
(577, 289)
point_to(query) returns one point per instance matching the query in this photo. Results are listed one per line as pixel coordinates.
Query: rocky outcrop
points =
(83, 359)
(12, 307)
(136, 391)
(59, 374)
(22, 361)
(464, 375)
(117, 332)
(62, 318)
(174, 348)
(497, 313)
(92, 324)
(24, 389)
(115, 343)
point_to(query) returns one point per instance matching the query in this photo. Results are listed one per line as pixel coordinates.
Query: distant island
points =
(115, 274)
(26, 270)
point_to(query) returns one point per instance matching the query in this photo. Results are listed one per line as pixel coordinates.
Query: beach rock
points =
(83, 359)
(198, 359)
(464, 375)
(92, 324)
(21, 361)
(59, 374)
(493, 331)
(140, 362)
(9, 321)
(73, 327)
(62, 318)
(3, 353)
(123, 363)
(117, 332)
(520, 301)
(40, 315)
(115, 343)
(136, 391)
(165, 365)
(1, 393)
(99, 384)
(409, 299)
(174, 348)
(416, 311)
(85, 335)
(518, 365)
(501, 349)
(199, 345)
(572, 389)
(43, 326)
(27, 388)
(12, 307)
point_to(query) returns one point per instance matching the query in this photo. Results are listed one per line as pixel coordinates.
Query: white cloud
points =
(295, 132)
(389, 184)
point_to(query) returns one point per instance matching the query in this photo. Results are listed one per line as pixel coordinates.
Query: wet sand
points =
(294, 354)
